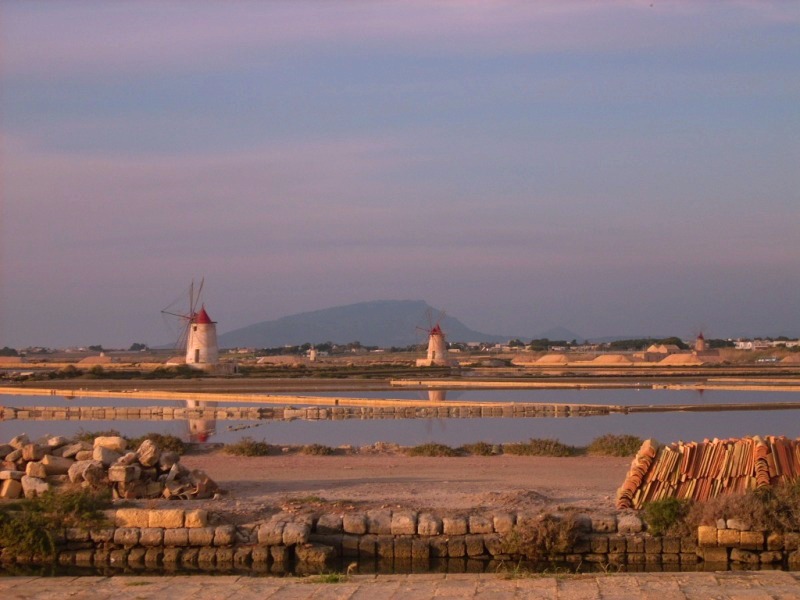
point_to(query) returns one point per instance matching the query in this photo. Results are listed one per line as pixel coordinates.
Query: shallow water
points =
(665, 427)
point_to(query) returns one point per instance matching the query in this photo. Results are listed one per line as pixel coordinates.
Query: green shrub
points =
(431, 449)
(88, 436)
(317, 450)
(539, 447)
(28, 526)
(615, 445)
(248, 447)
(163, 441)
(541, 538)
(665, 515)
(477, 449)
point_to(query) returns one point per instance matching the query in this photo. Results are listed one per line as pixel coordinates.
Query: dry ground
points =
(257, 486)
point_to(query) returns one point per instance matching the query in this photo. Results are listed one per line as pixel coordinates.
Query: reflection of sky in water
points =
(580, 430)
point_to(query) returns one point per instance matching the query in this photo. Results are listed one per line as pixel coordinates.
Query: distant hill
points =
(383, 323)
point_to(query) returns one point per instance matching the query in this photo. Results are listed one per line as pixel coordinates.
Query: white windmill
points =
(437, 355)
(198, 333)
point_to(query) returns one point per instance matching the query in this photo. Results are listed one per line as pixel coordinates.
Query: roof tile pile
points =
(707, 469)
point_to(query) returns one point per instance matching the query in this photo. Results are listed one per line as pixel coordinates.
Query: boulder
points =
(71, 450)
(56, 441)
(167, 459)
(34, 486)
(18, 442)
(105, 455)
(56, 465)
(111, 442)
(9, 474)
(148, 453)
(14, 456)
(35, 469)
(5, 450)
(124, 473)
(10, 489)
(86, 470)
(126, 459)
(32, 452)
(84, 455)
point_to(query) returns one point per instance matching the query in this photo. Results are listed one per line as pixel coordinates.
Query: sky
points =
(615, 168)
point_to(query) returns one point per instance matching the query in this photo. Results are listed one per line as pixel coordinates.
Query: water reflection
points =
(200, 430)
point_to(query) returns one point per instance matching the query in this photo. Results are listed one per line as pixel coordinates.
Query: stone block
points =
(132, 517)
(71, 450)
(354, 523)
(350, 545)
(629, 524)
(728, 537)
(151, 536)
(771, 557)
(738, 524)
(480, 524)
(111, 442)
(176, 537)
(225, 557)
(102, 535)
(195, 518)
(271, 533)
(242, 557)
(474, 544)
(504, 522)
(438, 546)
(420, 550)
(9, 474)
(744, 556)
(84, 558)
(84, 455)
(166, 518)
(604, 523)
(404, 523)
(688, 544)
(33, 486)
(774, 540)
(384, 545)
(19, 442)
(598, 544)
(713, 555)
(379, 522)
(10, 489)
(456, 546)
(454, 526)
(32, 452)
(124, 473)
(706, 536)
(329, 523)
(368, 545)
(201, 536)
(172, 557)
(751, 540)
(55, 465)
(260, 555)
(403, 547)
(148, 453)
(279, 554)
(493, 543)
(635, 544)
(794, 559)
(35, 469)
(103, 455)
(225, 535)
(616, 544)
(5, 450)
(207, 557)
(126, 536)
(136, 557)
(296, 533)
(428, 524)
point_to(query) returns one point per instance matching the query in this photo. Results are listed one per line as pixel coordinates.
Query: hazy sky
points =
(623, 168)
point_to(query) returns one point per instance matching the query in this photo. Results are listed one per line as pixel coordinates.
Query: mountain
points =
(383, 323)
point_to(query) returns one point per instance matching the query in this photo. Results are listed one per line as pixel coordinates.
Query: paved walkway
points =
(763, 585)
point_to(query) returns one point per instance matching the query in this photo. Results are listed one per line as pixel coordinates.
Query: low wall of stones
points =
(174, 539)
(159, 413)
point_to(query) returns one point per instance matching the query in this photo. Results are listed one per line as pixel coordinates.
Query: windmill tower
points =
(700, 343)
(437, 345)
(199, 335)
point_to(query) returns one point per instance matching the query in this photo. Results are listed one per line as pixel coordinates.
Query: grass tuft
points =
(247, 446)
(317, 450)
(431, 449)
(540, 447)
(615, 445)
(477, 449)
(163, 441)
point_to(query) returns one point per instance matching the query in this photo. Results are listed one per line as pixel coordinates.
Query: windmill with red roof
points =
(199, 333)
(437, 345)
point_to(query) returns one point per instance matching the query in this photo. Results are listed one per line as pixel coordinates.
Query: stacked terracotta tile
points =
(707, 469)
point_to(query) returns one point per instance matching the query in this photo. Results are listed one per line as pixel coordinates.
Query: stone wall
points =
(402, 540)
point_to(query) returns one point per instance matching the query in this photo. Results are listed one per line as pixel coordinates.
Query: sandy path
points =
(256, 484)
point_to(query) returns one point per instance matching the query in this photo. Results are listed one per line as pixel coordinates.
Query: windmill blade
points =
(196, 299)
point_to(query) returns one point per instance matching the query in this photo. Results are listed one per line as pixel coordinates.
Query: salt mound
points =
(681, 360)
(612, 359)
(553, 359)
